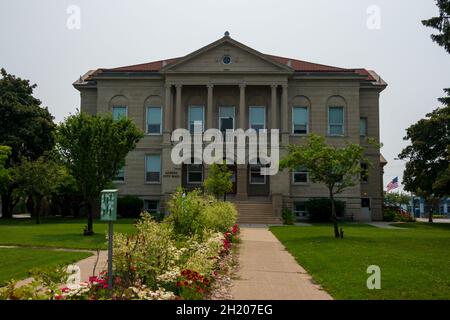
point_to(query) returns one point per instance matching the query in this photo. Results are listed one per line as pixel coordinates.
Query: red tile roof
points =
(297, 65)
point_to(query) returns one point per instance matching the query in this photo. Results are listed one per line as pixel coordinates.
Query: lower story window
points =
(255, 174)
(120, 175)
(153, 168)
(300, 209)
(195, 173)
(151, 206)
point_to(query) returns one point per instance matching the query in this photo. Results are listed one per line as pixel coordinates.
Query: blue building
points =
(421, 209)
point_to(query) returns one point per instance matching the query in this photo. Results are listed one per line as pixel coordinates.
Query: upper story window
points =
(257, 119)
(364, 172)
(153, 168)
(154, 120)
(119, 112)
(196, 115)
(300, 120)
(336, 121)
(363, 127)
(226, 59)
(300, 175)
(226, 118)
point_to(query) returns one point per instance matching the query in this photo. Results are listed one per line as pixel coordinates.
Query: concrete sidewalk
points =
(268, 272)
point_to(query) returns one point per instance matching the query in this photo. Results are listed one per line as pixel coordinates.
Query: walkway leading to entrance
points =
(268, 272)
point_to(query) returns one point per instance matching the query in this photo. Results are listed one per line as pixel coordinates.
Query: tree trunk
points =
(333, 216)
(430, 213)
(6, 205)
(88, 209)
(37, 209)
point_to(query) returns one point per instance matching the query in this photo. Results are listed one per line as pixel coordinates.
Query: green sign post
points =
(108, 213)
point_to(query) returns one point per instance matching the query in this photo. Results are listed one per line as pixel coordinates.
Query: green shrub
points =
(319, 209)
(193, 213)
(389, 213)
(219, 216)
(287, 216)
(130, 206)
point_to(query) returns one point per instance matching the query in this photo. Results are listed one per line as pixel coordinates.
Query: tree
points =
(38, 180)
(25, 126)
(5, 152)
(219, 181)
(336, 167)
(397, 198)
(427, 155)
(93, 149)
(441, 24)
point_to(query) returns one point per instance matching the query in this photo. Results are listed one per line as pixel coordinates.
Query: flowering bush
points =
(179, 258)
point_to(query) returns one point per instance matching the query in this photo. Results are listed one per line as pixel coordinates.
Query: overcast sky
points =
(36, 44)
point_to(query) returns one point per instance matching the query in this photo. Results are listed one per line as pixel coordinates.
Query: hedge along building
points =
(227, 85)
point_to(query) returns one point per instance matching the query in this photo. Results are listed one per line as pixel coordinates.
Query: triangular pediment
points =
(214, 58)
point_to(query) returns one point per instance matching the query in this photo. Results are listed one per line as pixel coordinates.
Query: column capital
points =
(178, 86)
(168, 85)
(274, 86)
(242, 85)
(210, 85)
(285, 85)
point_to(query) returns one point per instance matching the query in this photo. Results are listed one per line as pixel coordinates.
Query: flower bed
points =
(179, 258)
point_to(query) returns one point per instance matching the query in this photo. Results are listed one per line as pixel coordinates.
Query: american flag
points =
(393, 184)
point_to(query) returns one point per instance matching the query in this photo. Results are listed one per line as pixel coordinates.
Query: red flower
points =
(58, 297)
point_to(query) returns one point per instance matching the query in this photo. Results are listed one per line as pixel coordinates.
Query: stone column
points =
(168, 114)
(242, 108)
(209, 108)
(178, 111)
(273, 108)
(284, 115)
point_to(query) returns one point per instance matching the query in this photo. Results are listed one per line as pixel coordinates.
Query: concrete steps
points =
(256, 213)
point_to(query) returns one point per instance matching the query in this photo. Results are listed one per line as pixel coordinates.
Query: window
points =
(300, 175)
(226, 59)
(151, 206)
(255, 175)
(154, 120)
(119, 112)
(120, 175)
(226, 118)
(363, 127)
(257, 119)
(299, 120)
(196, 113)
(364, 172)
(195, 173)
(336, 121)
(300, 209)
(153, 168)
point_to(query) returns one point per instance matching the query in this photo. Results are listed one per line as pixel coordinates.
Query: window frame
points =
(116, 107)
(160, 168)
(234, 118)
(160, 121)
(250, 175)
(365, 127)
(304, 171)
(189, 117)
(158, 207)
(115, 177)
(307, 120)
(188, 170)
(343, 121)
(299, 215)
(250, 117)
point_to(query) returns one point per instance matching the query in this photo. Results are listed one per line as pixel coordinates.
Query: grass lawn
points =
(16, 263)
(414, 262)
(58, 232)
